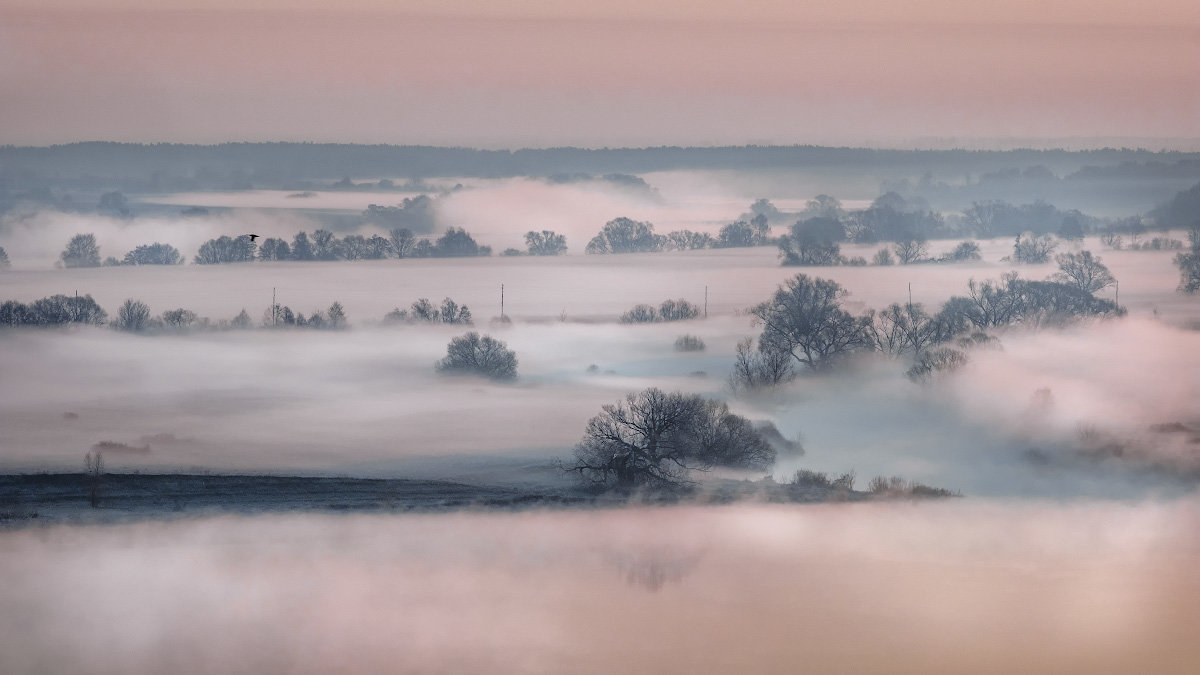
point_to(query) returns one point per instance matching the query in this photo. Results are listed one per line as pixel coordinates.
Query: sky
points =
(534, 73)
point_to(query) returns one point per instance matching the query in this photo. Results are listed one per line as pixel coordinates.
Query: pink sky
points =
(533, 73)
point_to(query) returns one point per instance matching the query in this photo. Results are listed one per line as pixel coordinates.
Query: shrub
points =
(472, 354)
(689, 343)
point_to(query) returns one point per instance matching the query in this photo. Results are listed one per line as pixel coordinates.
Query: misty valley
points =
(510, 408)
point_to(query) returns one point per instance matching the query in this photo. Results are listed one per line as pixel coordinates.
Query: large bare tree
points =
(805, 319)
(655, 439)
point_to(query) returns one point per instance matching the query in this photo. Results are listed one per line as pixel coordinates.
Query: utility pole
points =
(274, 308)
(910, 293)
(501, 302)
(706, 302)
(1118, 296)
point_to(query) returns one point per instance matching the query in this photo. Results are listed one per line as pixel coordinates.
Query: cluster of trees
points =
(55, 310)
(655, 439)
(624, 235)
(325, 245)
(816, 238)
(135, 316)
(669, 310)
(424, 311)
(998, 218)
(546, 242)
(805, 324)
(83, 251)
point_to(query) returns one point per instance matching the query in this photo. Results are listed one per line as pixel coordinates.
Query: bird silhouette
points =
(252, 236)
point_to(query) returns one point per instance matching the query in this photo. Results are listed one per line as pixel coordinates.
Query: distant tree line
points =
(134, 316)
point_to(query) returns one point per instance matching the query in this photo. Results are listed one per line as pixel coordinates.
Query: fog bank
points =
(988, 587)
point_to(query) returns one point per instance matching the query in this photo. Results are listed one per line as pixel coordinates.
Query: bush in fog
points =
(153, 254)
(805, 319)
(623, 235)
(424, 311)
(1033, 250)
(81, 251)
(178, 319)
(225, 249)
(807, 479)
(669, 310)
(883, 257)
(132, 317)
(966, 251)
(472, 354)
(545, 242)
(689, 343)
(655, 439)
(760, 368)
(1083, 271)
(896, 486)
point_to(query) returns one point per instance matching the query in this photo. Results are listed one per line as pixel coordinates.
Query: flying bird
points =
(252, 237)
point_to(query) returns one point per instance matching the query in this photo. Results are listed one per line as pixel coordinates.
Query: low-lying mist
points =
(976, 586)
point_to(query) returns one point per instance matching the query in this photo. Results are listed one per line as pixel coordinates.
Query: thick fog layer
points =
(366, 401)
(978, 586)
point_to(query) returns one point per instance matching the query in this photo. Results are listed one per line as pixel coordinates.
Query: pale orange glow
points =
(528, 74)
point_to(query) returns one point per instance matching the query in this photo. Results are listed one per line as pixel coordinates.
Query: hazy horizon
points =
(534, 74)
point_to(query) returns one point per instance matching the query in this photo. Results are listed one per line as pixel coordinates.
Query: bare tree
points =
(655, 439)
(1083, 271)
(805, 319)
(911, 249)
(760, 368)
(1031, 250)
(403, 241)
(133, 317)
(81, 251)
(903, 329)
(545, 242)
